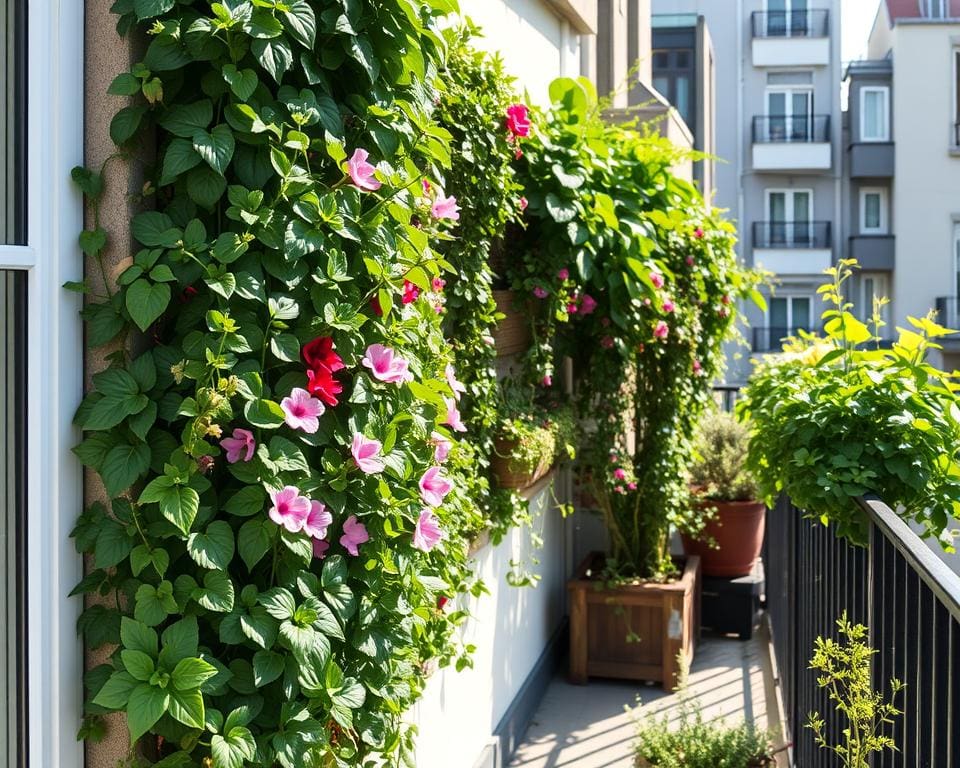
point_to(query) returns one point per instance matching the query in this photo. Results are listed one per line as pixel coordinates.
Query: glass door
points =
(790, 115)
(786, 316)
(789, 217)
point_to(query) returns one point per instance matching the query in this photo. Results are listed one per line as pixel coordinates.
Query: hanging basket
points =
(511, 335)
(507, 471)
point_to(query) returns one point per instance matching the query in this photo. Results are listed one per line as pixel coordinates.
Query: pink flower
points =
(571, 308)
(547, 380)
(588, 304)
(385, 365)
(301, 410)
(540, 292)
(726, 299)
(434, 486)
(453, 416)
(445, 208)
(647, 302)
(632, 486)
(354, 534)
(427, 533)
(669, 306)
(563, 274)
(455, 386)
(518, 154)
(723, 312)
(698, 233)
(619, 489)
(320, 548)
(410, 292)
(523, 202)
(657, 279)
(441, 447)
(426, 185)
(606, 342)
(317, 521)
(242, 442)
(365, 452)
(438, 284)
(361, 172)
(619, 474)
(661, 330)
(697, 368)
(289, 509)
(689, 261)
(518, 120)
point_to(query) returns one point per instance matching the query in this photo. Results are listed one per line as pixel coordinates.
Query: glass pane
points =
(12, 123)
(778, 317)
(801, 313)
(777, 18)
(777, 120)
(662, 85)
(682, 102)
(801, 206)
(11, 518)
(871, 211)
(872, 114)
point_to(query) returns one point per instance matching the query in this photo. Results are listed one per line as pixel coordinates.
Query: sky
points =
(857, 21)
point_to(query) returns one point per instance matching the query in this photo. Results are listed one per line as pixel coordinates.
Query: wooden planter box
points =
(512, 334)
(665, 617)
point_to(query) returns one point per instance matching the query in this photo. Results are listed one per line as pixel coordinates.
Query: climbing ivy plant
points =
(287, 505)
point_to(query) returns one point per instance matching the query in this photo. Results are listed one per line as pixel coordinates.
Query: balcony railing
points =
(948, 311)
(792, 234)
(770, 339)
(791, 129)
(811, 23)
(908, 598)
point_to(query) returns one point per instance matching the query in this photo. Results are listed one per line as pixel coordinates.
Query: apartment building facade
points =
(903, 195)
(778, 141)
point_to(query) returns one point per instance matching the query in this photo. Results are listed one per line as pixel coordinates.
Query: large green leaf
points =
(247, 501)
(231, 750)
(274, 56)
(213, 548)
(146, 301)
(191, 673)
(242, 82)
(123, 465)
(113, 544)
(216, 147)
(147, 9)
(217, 593)
(179, 158)
(185, 120)
(301, 23)
(187, 707)
(125, 124)
(145, 706)
(205, 186)
(255, 539)
(116, 691)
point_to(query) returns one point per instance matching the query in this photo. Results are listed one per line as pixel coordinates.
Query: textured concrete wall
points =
(107, 54)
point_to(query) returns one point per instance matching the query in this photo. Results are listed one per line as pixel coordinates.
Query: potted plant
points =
(727, 535)
(530, 438)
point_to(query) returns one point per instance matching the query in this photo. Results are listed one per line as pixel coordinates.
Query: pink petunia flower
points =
(438, 284)
(547, 380)
(317, 521)
(619, 474)
(385, 365)
(289, 509)
(540, 292)
(669, 306)
(563, 274)
(698, 233)
(242, 442)
(427, 533)
(441, 447)
(661, 330)
(453, 416)
(445, 208)
(697, 368)
(518, 120)
(361, 172)
(410, 292)
(456, 387)
(434, 486)
(632, 486)
(365, 452)
(571, 308)
(301, 410)
(320, 548)
(689, 261)
(354, 534)
(587, 304)
(523, 203)
(657, 279)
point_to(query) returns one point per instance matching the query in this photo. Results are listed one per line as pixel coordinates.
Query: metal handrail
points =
(813, 22)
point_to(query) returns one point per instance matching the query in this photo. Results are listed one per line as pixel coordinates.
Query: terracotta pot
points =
(738, 531)
(512, 334)
(505, 469)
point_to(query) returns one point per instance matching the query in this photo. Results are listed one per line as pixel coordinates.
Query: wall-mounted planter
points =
(511, 335)
(507, 472)
(634, 631)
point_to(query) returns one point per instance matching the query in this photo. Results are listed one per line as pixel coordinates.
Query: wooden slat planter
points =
(511, 335)
(665, 617)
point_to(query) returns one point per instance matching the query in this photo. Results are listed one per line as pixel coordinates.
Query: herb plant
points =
(719, 469)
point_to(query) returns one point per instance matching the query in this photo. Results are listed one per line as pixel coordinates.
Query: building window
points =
(873, 211)
(12, 123)
(956, 98)
(874, 113)
(873, 287)
(674, 77)
(788, 18)
(789, 114)
(934, 9)
(786, 315)
(789, 218)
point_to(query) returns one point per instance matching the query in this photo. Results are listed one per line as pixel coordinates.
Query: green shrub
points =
(719, 467)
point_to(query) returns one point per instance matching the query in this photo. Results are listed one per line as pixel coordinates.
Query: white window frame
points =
(881, 288)
(885, 121)
(884, 227)
(927, 9)
(788, 91)
(955, 98)
(790, 297)
(789, 16)
(54, 386)
(790, 233)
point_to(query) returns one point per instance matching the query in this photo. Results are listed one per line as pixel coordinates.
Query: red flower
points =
(375, 306)
(322, 362)
(518, 120)
(320, 382)
(410, 292)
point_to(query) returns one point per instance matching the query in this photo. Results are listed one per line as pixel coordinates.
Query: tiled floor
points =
(591, 727)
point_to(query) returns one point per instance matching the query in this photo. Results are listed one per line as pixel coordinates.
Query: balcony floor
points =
(593, 726)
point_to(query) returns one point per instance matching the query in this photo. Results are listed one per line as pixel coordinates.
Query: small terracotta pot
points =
(504, 467)
(512, 334)
(738, 530)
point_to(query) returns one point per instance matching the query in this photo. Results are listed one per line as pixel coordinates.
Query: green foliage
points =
(844, 667)
(643, 307)
(838, 417)
(534, 434)
(719, 466)
(686, 741)
(236, 642)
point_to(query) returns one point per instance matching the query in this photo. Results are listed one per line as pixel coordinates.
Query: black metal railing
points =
(908, 598)
(792, 234)
(948, 311)
(770, 339)
(726, 396)
(809, 23)
(791, 129)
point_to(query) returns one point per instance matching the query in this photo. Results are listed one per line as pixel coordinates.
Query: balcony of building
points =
(875, 253)
(793, 247)
(799, 38)
(871, 160)
(791, 143)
